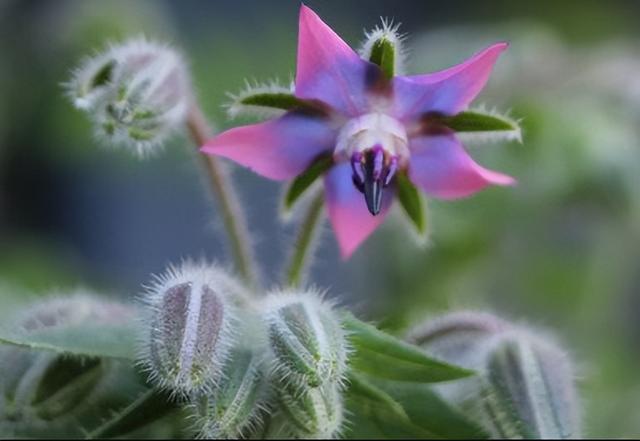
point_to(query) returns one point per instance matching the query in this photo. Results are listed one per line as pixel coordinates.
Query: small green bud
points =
(307, 341)
(189, 326)
(233, 410)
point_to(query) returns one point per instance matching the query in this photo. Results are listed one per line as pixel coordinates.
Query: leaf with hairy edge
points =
(110, 341)
(412, 203)
(381, 355)
(471, 121)
(301, 183)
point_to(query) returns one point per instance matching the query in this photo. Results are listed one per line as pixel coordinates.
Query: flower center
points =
(376, 145)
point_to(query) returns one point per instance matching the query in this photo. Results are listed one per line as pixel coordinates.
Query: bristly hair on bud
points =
(235, 408)
(259, 100)
(308, 345)
(373, 47)
(188, 322)
(91, 80)
(136, 93)
(310, 412)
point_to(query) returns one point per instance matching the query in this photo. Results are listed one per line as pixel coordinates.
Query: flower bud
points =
(306, 339)
(525, 386)
(311, 412)
(137, 93)
(91, 81)
(188, 330)
(234, 408)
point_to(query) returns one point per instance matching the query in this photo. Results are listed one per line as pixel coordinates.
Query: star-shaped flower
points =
(371, 134)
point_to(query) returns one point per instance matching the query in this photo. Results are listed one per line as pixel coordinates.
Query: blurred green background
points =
(560, 251)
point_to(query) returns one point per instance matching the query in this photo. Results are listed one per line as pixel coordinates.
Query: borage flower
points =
(372, 134)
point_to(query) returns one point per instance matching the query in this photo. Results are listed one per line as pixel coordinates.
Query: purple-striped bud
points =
(189, 327)
(525, 387)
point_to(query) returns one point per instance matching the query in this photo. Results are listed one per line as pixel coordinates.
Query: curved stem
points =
(220, 182)
(305, 243)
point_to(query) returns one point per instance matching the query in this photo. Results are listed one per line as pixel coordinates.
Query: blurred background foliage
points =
(561, 250)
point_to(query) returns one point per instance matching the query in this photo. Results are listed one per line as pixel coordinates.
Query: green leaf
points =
(412, 203)
(277, 100)
(424, 407)
(382, 355)
(470, 121)
(374, 414)
(301, 183)
(85, 339)
(383, 54)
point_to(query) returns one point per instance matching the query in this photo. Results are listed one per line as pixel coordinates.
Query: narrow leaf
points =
(412, 203)
(383, 54)
(382, 355)
(284, 101)
(470, 121)
(301, 183)
(374, 414)
(425, 408)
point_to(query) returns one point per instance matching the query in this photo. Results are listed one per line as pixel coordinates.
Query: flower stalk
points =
(219, 180)
(305, 243)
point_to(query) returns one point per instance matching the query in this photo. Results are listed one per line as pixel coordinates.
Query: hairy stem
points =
(232, 214)
(305, 243)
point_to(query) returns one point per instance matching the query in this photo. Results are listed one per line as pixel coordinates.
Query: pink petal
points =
(442, 168)
(279, 149)
(448, 91)
(351, 221)
(328, 69)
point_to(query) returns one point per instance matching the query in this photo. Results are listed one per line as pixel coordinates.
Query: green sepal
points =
(301, 183)
(412, 203)
(470, 121)
(383, 53)
(281, 101)
(383, 356)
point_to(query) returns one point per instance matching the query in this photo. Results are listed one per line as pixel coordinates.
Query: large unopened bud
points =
(525, 387)
(306, 339)
(188, 327)
(137, 93)
(233, 409)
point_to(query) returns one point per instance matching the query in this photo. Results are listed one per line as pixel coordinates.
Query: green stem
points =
(150, 406)
(305, 243)
(232, 214)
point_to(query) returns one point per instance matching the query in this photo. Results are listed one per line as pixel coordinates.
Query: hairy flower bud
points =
(233, 410)
(137, 93)
(188, 330)
(525, 388)
(306, 339)
(310, 412)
